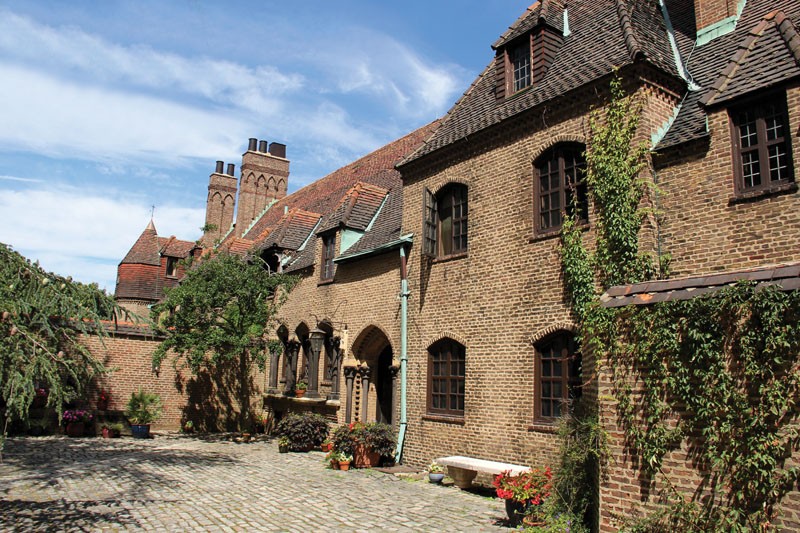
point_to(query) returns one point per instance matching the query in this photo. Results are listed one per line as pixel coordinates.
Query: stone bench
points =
(464, 469)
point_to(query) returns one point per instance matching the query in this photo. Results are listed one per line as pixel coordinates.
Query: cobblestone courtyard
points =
(176, 483)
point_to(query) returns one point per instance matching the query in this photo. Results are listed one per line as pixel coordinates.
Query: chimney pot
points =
(220, 164)
(278, 150)
(252, 144)
(262, 146)
(231, 169)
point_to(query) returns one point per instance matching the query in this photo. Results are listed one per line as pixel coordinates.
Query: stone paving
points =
(181, 483)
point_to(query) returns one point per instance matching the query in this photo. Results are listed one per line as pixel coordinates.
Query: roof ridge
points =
(789, 34)
(628, 33)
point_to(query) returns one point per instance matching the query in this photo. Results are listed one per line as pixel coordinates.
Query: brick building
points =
(474, 207)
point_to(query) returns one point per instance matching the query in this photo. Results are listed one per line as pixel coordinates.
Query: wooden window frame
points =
(566, 191)
(450, 380)
(328, 267)
(760, 108)
(569, 381)
(449, 207)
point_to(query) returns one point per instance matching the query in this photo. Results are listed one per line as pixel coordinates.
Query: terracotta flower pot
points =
(344, 466)
(299, 393)
(364, 457)
(326, 447)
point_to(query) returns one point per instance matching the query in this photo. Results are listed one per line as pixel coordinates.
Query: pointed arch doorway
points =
(373, 391)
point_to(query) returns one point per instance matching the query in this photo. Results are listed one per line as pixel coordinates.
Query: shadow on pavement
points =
(55, 515)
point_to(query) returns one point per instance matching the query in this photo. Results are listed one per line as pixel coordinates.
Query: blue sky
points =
(109, 108)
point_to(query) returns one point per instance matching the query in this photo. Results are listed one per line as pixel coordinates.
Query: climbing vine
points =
(717, 376)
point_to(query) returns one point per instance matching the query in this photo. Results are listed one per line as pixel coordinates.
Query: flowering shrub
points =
(103, 396)
(528, 487)
(376, 436)
(41, 392)
(77, 415)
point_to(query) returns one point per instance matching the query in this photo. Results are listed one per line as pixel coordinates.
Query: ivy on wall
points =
(718, 374)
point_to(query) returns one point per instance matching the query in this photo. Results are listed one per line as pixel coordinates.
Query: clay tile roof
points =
(785, 276)
(357, 208)
(385, 228)
(769, 54)
(173, 247)
(763, 50)
(236, 246)
(146, 249)
(291, 231)
(375, 171)
(603, 36)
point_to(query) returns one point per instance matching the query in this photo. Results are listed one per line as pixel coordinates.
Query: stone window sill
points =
(444, 419)
(543, 427)
(751, 196)
(451, 257)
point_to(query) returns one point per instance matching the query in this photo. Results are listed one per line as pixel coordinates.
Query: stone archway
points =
(373, 391)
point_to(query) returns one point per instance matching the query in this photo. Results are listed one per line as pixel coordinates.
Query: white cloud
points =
(66, 50)
(378, 65)
(17, 178)
(85, 235)
(62, 119)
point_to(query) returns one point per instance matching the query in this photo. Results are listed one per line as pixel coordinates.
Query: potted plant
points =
(305, 431)
(188, 427)
(435, 472)
(367, 443)
(143, 409)
(300, 388)
(75, 420)
(38, 426)
(343, 460)
(112, 430)
(326, 445)
(283, 444)
(524, 493)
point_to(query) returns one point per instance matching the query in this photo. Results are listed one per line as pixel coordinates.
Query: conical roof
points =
(146, 249)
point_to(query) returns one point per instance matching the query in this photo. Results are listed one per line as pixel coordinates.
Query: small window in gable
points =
(560, 187)
(328, 253)
(521, 66)
(445, 222)
(761, 144)
(172, 267)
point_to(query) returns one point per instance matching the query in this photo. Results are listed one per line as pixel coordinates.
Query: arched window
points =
(446, 374)
(558, 374)
(445, 224)
(560, 187)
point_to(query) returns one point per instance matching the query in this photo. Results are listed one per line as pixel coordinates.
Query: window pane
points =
(751, 169)
(778, 163)
(748, 133)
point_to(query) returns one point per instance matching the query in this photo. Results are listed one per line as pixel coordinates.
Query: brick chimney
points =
(711, 12)
(265, 174)
(220, 203)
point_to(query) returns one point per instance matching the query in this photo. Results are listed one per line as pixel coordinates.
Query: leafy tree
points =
(219, 315)
(42, 316)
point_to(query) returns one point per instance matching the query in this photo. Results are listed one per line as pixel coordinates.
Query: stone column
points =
(313, 369)
(349, 376)
(334, 366)
(394, 372)
(290, 366)
(365, 372)
(274, 359)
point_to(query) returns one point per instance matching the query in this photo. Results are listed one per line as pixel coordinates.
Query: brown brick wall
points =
(709, 12)
(208, 400)
(706, 231)
(499, 299)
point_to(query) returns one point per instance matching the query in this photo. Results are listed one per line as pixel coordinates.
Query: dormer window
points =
(328, 253)
(521, 64)
(172, 267)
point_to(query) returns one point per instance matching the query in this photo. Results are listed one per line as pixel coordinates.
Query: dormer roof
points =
(760, 53)
(603, 36)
